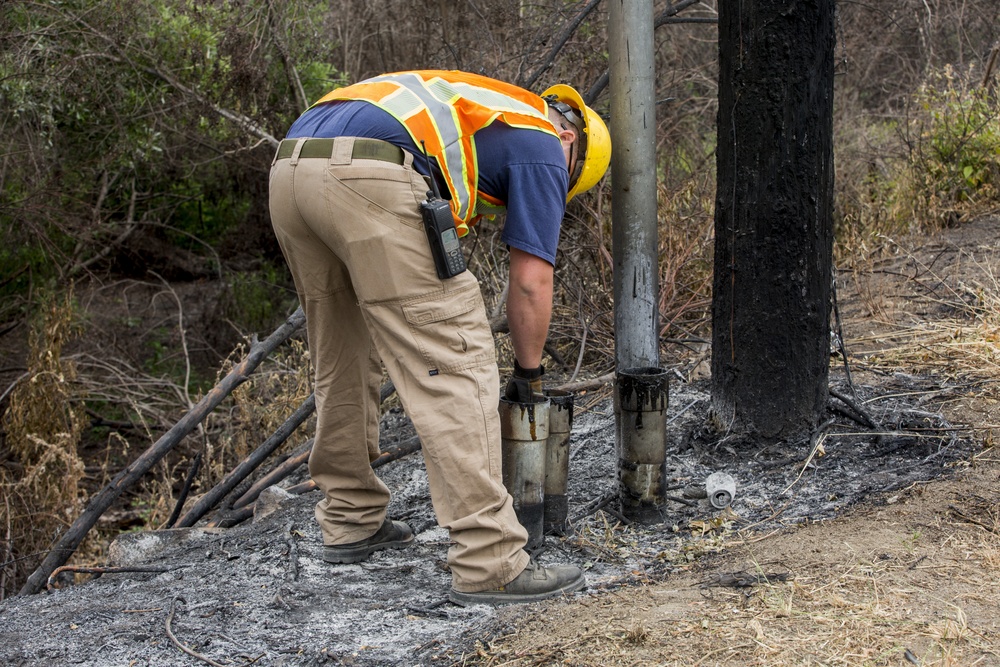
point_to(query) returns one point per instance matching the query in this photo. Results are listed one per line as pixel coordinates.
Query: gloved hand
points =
(525, 386)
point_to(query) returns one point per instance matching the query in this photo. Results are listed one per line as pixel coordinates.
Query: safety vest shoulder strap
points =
(442, 110)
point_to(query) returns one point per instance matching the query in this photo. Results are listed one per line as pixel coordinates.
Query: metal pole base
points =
(641, 397)
(524, 429)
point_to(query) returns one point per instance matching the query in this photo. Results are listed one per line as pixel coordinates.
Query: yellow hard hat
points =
(594, 138)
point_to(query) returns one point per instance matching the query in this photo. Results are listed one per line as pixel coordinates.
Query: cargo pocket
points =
(451, 330)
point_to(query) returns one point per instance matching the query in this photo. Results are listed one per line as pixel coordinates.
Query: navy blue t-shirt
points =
(524, 168)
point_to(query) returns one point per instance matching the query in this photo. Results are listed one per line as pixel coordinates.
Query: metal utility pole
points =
(641, 385)
(633, 178)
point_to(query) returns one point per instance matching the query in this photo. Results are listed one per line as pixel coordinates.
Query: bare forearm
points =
(529, 306)
(528, 319)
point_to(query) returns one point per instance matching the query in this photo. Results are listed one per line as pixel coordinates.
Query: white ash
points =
(260, 593)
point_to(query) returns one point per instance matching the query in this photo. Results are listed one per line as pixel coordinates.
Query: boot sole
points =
(498, 597)
(358, 554)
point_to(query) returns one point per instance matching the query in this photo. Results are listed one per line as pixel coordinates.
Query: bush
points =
(935, 166)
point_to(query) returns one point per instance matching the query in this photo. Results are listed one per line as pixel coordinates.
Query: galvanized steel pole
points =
(641, 386)
(633, 178)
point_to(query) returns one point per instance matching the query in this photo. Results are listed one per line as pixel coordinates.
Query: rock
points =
(269, 500)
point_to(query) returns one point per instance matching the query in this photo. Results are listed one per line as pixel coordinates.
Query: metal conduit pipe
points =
(641, 396)
(524, 430)
(557, 460)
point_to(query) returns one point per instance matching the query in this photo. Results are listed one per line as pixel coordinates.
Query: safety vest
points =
(444, 110)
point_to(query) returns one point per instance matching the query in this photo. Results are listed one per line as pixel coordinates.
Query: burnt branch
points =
(560, 42)
(665, 17)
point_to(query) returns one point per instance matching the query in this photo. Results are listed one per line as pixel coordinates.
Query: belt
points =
(364, 149)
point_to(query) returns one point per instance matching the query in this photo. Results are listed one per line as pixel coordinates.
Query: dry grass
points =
(40, 481)
(962, 346)
(259, 407)
(923, 597)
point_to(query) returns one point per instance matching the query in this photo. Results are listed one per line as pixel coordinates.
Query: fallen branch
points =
(291, 464)
(817, 440)
(582, 385)
(100, 503)
(742, 579)
(860, 415)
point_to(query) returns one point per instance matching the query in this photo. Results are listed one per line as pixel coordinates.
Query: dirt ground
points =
(871, 544)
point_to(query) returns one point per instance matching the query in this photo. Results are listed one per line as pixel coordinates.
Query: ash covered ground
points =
(259, 593)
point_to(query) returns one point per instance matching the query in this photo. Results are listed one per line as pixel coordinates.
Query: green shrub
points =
(955, 164)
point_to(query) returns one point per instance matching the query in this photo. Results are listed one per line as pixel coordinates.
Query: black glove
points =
(525, 386)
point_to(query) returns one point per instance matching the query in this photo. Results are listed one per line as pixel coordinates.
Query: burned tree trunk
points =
(773, 216)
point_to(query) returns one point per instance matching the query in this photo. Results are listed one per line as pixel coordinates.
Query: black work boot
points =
(392, 535)
(534, 584)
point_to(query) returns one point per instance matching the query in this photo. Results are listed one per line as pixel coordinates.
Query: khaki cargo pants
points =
(351, 232)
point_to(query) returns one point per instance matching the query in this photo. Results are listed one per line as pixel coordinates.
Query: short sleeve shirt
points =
(524, 168)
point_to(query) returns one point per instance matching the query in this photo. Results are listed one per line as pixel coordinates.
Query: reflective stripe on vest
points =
(444, 109)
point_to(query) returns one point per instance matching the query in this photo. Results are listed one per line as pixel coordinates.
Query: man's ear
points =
(566, 136)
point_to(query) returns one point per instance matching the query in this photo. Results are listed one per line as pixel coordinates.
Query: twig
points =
(170, 633)
(965, 517)
(8, 545)
(817, 440)
(185, 490)
(683, 410)
(97, 420)
(664, 18)
(294, 81)
(840, 342)
(184, 348)
(130, 226)
(990, 64)
(559, 43)
(708, 655)
(98, 570)
(600, 504)
(862, 417)
(618, 515)
(583, 339)
(13, 384)
(682, 501)
(293, 552)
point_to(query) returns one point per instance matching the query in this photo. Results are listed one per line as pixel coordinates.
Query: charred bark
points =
(773, 217)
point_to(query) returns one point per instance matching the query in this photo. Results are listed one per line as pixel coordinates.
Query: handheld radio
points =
(441, 232)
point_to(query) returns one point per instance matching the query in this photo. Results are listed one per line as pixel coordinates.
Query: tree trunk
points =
(773, 217)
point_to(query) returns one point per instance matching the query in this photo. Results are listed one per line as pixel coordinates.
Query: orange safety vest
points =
(444, 110)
